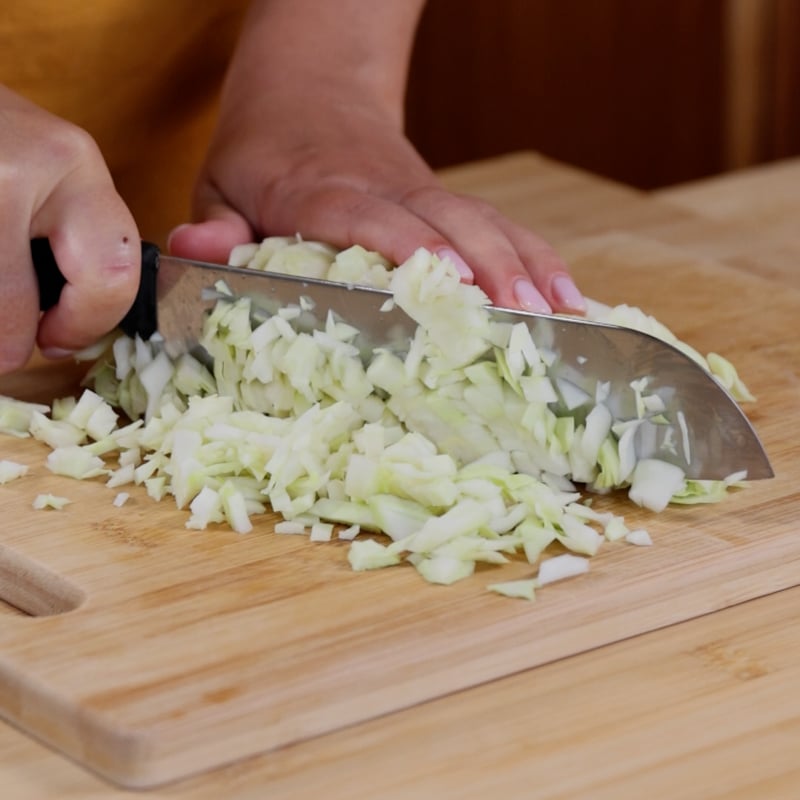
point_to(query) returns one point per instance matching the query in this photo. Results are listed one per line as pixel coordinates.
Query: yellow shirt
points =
(142, 76)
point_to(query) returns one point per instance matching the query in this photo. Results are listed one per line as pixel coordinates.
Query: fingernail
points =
(55, 353)
(567, 294)
(529, 298)
(175, 231)
(455, 259)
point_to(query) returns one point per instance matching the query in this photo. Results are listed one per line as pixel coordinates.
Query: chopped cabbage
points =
(464, 451)
(11, 470)
(45, 501)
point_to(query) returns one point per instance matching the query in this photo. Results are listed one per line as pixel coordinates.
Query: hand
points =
(310, 141)
(357, 180)
(54, 183)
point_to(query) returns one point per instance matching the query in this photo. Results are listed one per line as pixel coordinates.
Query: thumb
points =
(219, 229)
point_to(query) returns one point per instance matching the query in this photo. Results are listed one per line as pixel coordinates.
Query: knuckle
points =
(431, 199)
(70, 145)
(424, 196)
(42, 143)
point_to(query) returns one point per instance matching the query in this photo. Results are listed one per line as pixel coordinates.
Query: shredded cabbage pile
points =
(457, 451)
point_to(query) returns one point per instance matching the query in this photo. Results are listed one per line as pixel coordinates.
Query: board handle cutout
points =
(33, 589)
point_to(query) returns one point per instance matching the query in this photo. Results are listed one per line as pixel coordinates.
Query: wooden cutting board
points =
(153, 652)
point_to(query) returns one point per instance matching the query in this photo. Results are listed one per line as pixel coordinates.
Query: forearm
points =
(359, 48)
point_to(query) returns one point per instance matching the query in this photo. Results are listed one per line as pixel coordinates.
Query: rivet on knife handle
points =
(141, 317)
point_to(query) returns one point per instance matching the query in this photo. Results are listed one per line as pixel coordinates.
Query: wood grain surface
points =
(190, 650)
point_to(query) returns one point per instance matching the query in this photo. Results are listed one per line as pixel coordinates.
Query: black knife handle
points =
(141, 317)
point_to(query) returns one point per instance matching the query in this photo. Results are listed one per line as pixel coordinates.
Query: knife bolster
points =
(141, 318)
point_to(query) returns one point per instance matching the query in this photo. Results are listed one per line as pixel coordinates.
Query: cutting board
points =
(150, 653)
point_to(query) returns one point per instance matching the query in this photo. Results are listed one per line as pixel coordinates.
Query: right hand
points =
(54, 183)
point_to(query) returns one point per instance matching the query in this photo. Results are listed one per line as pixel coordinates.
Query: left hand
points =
(324, 156)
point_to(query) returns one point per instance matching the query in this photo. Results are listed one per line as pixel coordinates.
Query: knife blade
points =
(706, 433)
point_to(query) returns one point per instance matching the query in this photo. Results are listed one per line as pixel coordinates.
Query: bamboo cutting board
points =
(151, 652)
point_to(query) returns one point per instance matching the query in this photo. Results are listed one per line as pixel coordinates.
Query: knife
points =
(707, 434)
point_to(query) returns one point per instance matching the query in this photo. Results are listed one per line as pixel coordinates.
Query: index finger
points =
(98, 251)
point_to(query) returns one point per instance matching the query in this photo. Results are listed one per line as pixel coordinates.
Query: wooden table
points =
(708, 708)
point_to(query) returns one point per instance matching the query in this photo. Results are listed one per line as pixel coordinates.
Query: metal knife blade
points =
(706, 433)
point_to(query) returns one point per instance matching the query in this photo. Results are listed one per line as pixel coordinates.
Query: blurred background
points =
(646, 92)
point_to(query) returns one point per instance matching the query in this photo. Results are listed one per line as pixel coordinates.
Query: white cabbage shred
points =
(454, 451)
(11, 470)
(45, 501)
